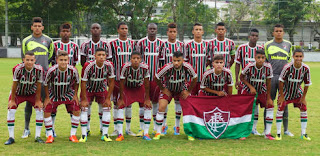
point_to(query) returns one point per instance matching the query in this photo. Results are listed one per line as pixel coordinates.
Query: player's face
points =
(172, 33)
(100, 56)
(65, 34)
(95, 30)
(123, 30)
(218, 64)
(177, 62)
(260, 59)
(298, 57)
(220, 31)
(197, 31)
(37, 28)
(63, 62)
(152, 30)
(278, 32)
(254, 36)
(135, 61)
(29, 61)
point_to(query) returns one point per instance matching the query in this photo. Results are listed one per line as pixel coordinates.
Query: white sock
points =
(178, 110)
(89, 117)
(269, 119)
(84, 121)
(48, 125)
(120, 121)
(155, 107)
(74, 124)
(165, 117)
(279, 121)
(141, 114)
(147, 120)
(115, 117)
(53, 116)
(10, 121)
(256, 117)
(100, 115)
(128, 114)
(159, 120)
(304, 120)
(39, 121)
(106, 115)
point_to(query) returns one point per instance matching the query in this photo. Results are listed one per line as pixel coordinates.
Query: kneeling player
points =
(215, 80)
(61, 87)
(290, 91)
(134, 87)
(255, 76)
(94, 86)
(26, 86)
(175, 86)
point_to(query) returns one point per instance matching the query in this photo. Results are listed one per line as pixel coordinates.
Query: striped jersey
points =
(176, 79)
(216, 82)
(134, 77)
(225, 48)
(71, 48)
(121, 53)
(292, 78)
(61, 83)
(27, 80)
(170, 48)
(97, 77)
(245, 54)
(257, 77)
(197, 55)
(88, 49)
(151, 52)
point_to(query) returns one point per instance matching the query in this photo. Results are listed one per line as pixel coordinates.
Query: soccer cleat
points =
(120, 137)
(73, 138)
(255, 132)
(190, 138)
(305, 137)
(129, 132)
(83, 138)
(269, 137)
(146, 137)
(88, 132)
(114, 133)
(242, 138)
(278, 137)
(50, 139)
(106, 138)
(38, 140)
(154, 132)
(157, 136)
(164, 130)
(288, 133)
(9, 141)
(176, 130)
(26, 133)
(140, 133)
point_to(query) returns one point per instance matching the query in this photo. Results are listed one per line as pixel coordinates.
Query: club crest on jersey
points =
(284, 47)
(216, 121)
(44, 42)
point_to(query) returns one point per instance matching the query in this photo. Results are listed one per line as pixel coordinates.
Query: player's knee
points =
(76, 113)
(47, 114)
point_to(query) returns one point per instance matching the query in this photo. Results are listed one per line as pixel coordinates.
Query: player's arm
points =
(237, 70)
(83, 60)
(83, 94)
(307, 83)
(75, 96)
(146, 83)
(243, 79)
(194, 78)
(38, 102)
(269, 100)
(23, 49)
(50, 52)
(232, 60)
(47, 99)
(107, 102)
(232, 54)
(12, 102)
(219, 93)
(281, 95)
(120, 102)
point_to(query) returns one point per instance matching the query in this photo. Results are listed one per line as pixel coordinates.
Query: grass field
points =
(168, 145)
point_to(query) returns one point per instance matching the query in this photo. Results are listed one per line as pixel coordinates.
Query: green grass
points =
(168, 145)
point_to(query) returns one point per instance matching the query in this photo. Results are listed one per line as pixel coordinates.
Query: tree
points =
(314, 19)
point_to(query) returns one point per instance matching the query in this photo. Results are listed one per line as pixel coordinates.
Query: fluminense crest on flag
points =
(216, 121)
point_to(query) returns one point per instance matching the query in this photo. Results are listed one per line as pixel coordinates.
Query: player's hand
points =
(253, 91)
(237, 85)
(184, 94)
(76, 99)
(167, 92)
(221, 93)
(107, 103)
(46, 102)
(120, 103)
(147, 103)
(11, 104)
(38, 104)
(84, 103)
(269, 102)
(280, 100)
(303, 101)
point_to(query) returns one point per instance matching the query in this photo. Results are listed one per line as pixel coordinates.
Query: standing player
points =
(196, 53)
(42, 47)
(257, 80)
(61, 87)
(96, 76)
(290, 91)
(121, 49)
(170, 46)
(214, 80)
(223, 46)
(244, 56)
(26, 86)
(87, 51)
(150, 48)
(278, 52)
(135, 87)
(175, 86)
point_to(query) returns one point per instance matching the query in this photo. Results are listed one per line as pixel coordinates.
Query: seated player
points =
(26, 86)
(290, 91)
(61, 87)
(215, 80)
(134, 87)
(257, 80)
(174, 85)
(96, 76)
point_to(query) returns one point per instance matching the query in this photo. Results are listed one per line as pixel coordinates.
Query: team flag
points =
(212, 117)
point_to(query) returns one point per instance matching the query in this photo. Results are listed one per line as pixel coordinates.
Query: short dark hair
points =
(278, 26)
(177, 54)
(253, 30)
(101, 49)
(30, 53)
(62, 53)
(172, 25)
(298, 50)
(135, 53)
(197, 24)
(218, 57)
(261, 52)
(65, 26)
(121, 23)
(219, 24)
(37, 20)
